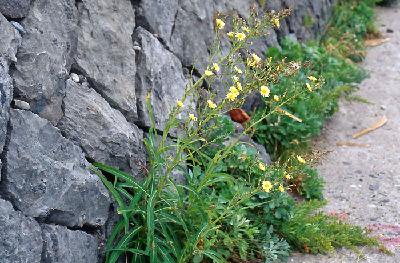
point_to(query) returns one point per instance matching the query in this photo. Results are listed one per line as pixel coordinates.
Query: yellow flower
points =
(287, 176)
(235, 78)
(267, 186)
(312, 78)
(240, 36)
(233, 89)
(231, 34)
(239, 86)
(192, 117)
(215, 67)
(264, 90)
(208, 73)
(211, 104)
(261, 166)
(276, 98)
(238, 70)
(276, 22)
(232, 96)
(309, 87)
(179, 103)
(256, 58)
(300, 159)
(281, 188)
(245, 29)
(219, 23)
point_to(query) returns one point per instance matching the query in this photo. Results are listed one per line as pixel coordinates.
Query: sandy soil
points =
(364, 181)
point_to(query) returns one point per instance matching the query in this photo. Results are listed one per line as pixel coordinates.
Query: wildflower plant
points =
(224, 209)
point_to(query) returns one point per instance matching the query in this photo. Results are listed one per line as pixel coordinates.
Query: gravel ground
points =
(363, 181)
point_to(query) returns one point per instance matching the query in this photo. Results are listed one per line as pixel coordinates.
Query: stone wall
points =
(74, 75)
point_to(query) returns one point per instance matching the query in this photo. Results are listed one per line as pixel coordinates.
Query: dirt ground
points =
(363, 180)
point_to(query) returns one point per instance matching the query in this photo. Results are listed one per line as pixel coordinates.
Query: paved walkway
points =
(364, 181)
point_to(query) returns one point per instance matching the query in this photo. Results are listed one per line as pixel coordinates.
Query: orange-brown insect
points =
(239, 116)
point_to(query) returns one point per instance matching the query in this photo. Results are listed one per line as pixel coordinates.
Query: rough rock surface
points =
(47, 175)
(9, 42)
(363, 182)
(20, 236)
(45, 56)
(61, 245)
(14, 8)
(10, 39)
(6, 90)
(105, 51)
(159, 73)
(101, 131)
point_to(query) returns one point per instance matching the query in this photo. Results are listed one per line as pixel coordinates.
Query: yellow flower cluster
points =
(309, 87)
(211, 104)
(232, 94)
(276, 22)
(287, 176)
(261, 166)
(215, 67)
(267, 186)
(219, 23)
(312, 78)
(253, 61)
(238, 70)
(240, 36)
(192, 117)
(209, 72)
(179, 103)
(300, 159)
(264, 90)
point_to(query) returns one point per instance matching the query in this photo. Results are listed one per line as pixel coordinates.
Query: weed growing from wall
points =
(232, 206)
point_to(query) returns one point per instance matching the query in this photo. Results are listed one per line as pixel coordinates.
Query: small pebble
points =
(22, 105)
(75, 77)
(383, 107)
(137, 48)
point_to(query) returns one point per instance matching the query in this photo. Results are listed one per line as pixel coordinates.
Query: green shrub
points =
(280, 133)
(315, 232)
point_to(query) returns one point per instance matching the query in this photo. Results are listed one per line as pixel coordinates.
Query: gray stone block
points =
(103, 132)
(61, 245)
(45, 56)
(105, 51)
(160, 74)
(48, 177)
(20, 236)
(14, 8)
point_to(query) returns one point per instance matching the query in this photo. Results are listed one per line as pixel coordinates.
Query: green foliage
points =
(311, 185)
(280, 133)
(232, 207)
(218, 213)
(320, 233)
(275, 249)
(351, 22)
